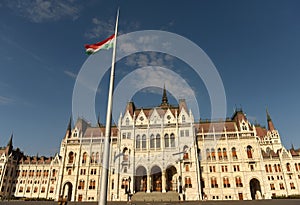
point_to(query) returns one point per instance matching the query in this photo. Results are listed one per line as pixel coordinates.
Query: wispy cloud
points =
(70, 74)
(45, 10)
(102, 28)
(150, 59)
(5, 100)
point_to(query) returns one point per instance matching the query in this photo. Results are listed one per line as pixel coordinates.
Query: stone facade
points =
(160, 149)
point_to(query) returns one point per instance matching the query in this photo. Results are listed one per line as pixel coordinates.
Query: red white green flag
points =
(105, 44)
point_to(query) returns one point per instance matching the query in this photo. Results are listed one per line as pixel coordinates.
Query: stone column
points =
(148, 182)
(163, 181)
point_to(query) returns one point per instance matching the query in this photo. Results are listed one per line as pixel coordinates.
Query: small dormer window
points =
(183, 119)
(244, 127)
(75, 134)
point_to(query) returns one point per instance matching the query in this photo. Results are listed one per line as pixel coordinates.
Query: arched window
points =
(288, 167)
(270, 168)
(219, 153)
(166, 140)
(127, 121)
(226, 182)
(249, 152)
(138, 142)
(157, 141)
(296, 167)
(267, 168)
(233, 151)
(279, 167)
(84, 157)
(125, 154)
(112, 184)
(144, 142)
(53, 173)
(214, 183)
(188, 182)
(207, 154)
(224, 153)
(238, 182)
(172, 138)
(93, 157)
(81, 184)
(97, 158)
(71, 157)
(152, 141)
(213, 153)
(92, 184)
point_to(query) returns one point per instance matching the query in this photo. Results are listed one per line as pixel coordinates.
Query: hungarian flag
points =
(105, 44)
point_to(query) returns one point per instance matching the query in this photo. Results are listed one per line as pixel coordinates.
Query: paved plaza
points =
(260, 202)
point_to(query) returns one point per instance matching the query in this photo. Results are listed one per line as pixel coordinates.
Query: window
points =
(51, 189)
(43, 190)
(157, 141)
(249, 152)
(166, 140)
(214, 183)
(233, 151)
(275, 168)
(127, 121)
(21, 189)
(81, 184)
(187, 168)
(93, 157)
(112, 184)
(272, 186)
(92, 184)
(172, 138)
(82, 171)
(186, 156)
(236, 168)
(125, 154)
(226, 182)
(296, 167)
(212, 168)
(69, 171)
(288, 167)
(53, 173)
(93, 171)
(125, 170)
(152, 141)
(224, 168)
(188, 182)
(84, 157)
(71, 157)
(183, 119)
(281, 186)
(251, 167)
(224, 153)
(219, 153)
(279, 167)
(207, 154)
(270, 168)
(292, 185)
(144, 142)
(187, 133)
(138, 142)
(181, 133)
(238, 182)
(267, 168)
(35, 190)
(124, 183)
(213, 154)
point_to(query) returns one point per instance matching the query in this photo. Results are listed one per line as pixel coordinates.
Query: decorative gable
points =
(141, 119)
(169, 117)
(155, 117)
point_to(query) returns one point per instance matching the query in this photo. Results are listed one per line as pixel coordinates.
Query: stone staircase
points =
(155, 196)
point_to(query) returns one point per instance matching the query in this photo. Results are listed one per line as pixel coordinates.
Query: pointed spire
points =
(269, 121)
(9, 146)
(69, 128)
(98, 120)
(164, 100)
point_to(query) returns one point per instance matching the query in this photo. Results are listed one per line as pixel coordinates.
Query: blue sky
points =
(253, 44)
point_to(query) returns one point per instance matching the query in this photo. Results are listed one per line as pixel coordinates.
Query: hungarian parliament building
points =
(159, 149)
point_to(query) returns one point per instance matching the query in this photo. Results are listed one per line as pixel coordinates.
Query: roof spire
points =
(164, 100)
(9, 146)
(69, 128)
(269, 121)
(98, 120)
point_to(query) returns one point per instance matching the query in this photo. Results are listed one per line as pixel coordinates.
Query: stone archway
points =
(67, 191)
(140, 179)
(171, 179)
(255, 189)
(156, 178)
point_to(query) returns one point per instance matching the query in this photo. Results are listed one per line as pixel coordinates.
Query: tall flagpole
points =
(106, 151)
